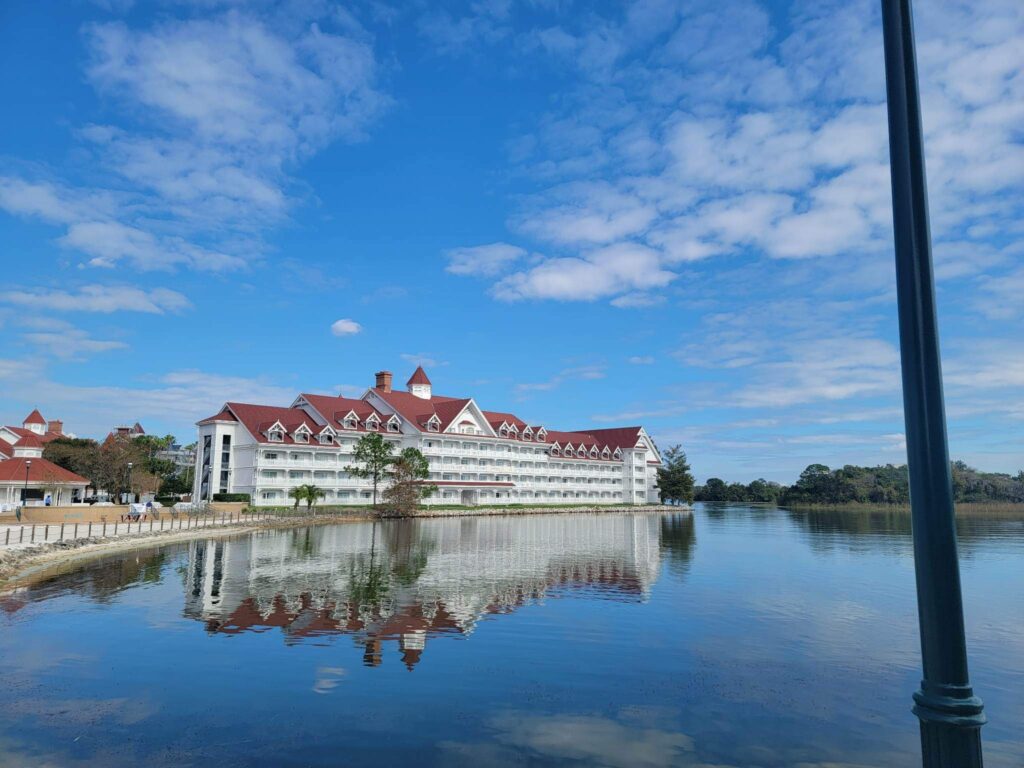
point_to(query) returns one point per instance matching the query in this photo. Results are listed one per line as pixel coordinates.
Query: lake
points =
(733, 636)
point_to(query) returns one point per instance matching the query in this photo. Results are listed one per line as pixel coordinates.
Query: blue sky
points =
(667, 213)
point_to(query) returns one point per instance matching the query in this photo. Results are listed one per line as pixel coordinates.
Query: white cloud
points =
(641, 360)
(637, 299)
(485, 260)
(70, 343)
(609, 271)
(223, 107)
(426, 359)
(346, 327)
(100, 298)
(576, 373)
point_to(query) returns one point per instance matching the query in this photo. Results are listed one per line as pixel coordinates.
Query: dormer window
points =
(569, 451)
(373, 423)
(593, 452)
(555, 451)
(326, 438)
(393, 424)
(275, 436)
(618, 453)
(527, 434)
(605, 453)
(503, 430)
(301, 437)
(542, 435)
(433, 424)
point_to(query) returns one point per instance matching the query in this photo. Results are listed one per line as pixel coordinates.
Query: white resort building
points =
(475, 456)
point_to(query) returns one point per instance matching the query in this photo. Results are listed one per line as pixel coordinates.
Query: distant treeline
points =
(818, 484)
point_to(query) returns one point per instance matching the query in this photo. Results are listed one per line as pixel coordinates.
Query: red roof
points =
(224, 415)
(419, 376)
(418, 410)
(34, 418)
(497, 418)
(40, 471)
(6, 449)
(259, 418)
(46, 437)
(30, 440)
(335, 409)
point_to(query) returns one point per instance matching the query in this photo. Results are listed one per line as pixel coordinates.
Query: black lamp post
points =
(131, 496)
(24, 494)
(951, 715)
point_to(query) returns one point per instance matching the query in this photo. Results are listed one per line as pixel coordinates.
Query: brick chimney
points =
(384, 381)
(56, 426)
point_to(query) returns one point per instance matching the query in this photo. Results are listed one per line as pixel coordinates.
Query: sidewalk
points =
(15, 536)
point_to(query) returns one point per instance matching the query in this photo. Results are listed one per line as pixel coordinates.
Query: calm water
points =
(732, 637)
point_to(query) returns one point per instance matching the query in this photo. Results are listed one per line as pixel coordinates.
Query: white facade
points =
(475, 456)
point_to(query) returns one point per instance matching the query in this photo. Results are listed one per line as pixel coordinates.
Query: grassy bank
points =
(978, 509)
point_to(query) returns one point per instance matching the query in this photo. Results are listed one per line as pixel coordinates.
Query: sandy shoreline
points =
(22, 566)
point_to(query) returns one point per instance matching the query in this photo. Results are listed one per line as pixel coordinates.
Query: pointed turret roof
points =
(419, 376)
(34, 418)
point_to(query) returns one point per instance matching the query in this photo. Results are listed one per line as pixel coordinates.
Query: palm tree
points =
(298, 493)
(313, 493)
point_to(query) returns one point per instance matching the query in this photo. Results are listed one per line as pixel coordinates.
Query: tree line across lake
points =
(819, 484)
(888, 484)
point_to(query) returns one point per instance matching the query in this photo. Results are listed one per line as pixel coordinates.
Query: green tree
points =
(313, 494)
(714, 489)
(373, 455)
(298, 493)
(73, 454)
(675, 481)
(408, 471)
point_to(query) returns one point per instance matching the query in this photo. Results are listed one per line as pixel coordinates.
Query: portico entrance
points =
(469, 498)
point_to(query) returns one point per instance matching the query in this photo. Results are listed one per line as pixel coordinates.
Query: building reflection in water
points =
(399, 583)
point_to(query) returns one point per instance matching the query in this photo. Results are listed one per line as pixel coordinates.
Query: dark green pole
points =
(951, 715)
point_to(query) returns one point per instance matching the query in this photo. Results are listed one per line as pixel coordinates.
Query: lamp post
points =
(951, 715)
(24, 494)
(131, 496)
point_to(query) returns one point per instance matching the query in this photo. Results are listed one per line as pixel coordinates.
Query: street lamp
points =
(24, 495)
(131, 496)
(951, 715)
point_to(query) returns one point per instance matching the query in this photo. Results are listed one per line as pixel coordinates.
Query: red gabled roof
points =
(46, 437)
(258, 418)
(419, 376)
(617, 437)
(224, 415)
(29, 440)
(497, 418)
(34, 418)
(418, 410)
(335, 409)
(6, 449)
(40, 471)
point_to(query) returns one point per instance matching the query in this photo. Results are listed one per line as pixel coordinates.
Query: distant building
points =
(24, 474)
(475, 456)
(182, 456)
(135, 430)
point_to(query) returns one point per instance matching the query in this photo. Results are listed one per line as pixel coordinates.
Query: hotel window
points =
(372, 424)
(301, 437)
(276, 436)
(327, 439)
(392, 426)
(270, 456)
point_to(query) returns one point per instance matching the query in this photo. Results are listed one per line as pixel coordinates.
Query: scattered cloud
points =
(578, 373)
(426, 359)
(221, 106)
(100, 298)
(346, 327)
(641, 360)
(483, 260)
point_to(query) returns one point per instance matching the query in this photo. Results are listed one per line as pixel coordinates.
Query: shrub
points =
(232, 497)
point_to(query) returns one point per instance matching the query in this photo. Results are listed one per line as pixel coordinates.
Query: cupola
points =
(418, 384)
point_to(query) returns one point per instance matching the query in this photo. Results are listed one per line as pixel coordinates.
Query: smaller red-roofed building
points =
(476, 456)
(26, 477)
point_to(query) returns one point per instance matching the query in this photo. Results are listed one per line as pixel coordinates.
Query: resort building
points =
(25, 476)
(476, 456)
